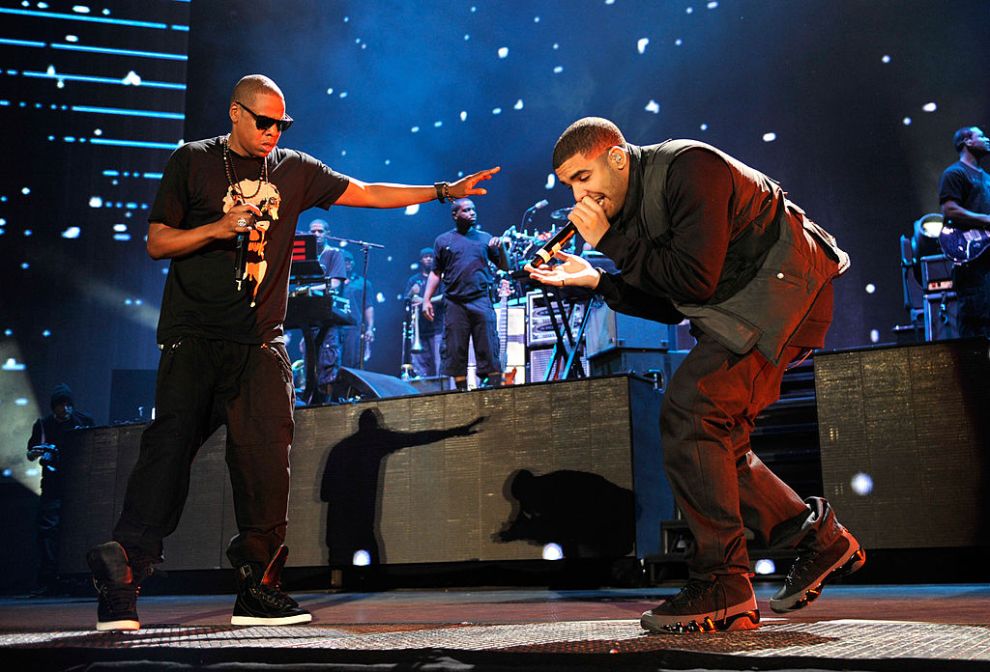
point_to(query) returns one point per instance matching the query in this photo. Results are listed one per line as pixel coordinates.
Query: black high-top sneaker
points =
(813, 569)
(260, 600)
(117, 585)
(727, 603)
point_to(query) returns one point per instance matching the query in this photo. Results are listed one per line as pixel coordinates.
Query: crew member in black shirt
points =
(696, 233)
(463, 258)
(223, 359)
(964, 194)
(46, 445)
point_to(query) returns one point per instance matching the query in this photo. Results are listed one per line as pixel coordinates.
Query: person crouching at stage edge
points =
(223, 359)
(698, 234)
(461, 259)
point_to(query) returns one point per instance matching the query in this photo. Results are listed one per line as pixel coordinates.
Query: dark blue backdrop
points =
(827, 96)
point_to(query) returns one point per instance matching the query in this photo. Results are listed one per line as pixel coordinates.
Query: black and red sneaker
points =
(727, 603)
(813, 569)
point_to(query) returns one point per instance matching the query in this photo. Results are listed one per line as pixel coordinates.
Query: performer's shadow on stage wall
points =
(587, 515)
(353, 481)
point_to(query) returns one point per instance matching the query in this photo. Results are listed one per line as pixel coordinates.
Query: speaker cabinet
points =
(485, 475)
(904, 435)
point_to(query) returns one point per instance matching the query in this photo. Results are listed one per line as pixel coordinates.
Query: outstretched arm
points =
(383, 195)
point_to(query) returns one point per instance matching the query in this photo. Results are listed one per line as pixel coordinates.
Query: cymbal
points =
(561, 213)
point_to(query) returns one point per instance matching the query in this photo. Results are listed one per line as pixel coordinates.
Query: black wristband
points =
(442, 191)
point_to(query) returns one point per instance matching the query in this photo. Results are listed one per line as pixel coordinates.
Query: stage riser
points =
(916, 419)
(592, 444)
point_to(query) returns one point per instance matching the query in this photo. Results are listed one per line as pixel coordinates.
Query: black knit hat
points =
(61, 393)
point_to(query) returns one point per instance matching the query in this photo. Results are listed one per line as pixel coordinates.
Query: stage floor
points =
(927, 627)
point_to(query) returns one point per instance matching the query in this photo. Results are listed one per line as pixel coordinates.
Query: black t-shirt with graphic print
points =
(201, 297)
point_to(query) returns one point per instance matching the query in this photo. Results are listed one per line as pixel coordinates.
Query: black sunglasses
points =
(264, 123)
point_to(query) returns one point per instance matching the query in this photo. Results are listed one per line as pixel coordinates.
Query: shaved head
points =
(250, 86)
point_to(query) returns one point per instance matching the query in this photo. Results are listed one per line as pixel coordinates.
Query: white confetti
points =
(769, 137)
(885, 59)
(764, 566)
(518, 105)
(414, 129)
(551, 181)
(25, 190)
(71, 232)
(712, 5)
(704, 127)
(653, 106)
(861, 484)
(71, 38)
(330, 91)
(497, 110)
(463, 115)
(120, 228)
(554, 551)
(412, 209)
(641, 44)
(871, 288)
(874, 335)
(689, 10)
(95, 202)
(906, 121)
(558, 69)
(132, 79)
(437, 124)
(678, 42)
(13, 365)
(503, 52)
(930, 107)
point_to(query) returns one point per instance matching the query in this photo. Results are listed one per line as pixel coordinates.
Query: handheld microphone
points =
(554, 245)
(240, 259)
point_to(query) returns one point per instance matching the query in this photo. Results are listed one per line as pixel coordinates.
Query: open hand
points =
(466, 185)
(573, 271)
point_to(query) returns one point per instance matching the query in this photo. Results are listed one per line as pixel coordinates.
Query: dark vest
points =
(776, 265)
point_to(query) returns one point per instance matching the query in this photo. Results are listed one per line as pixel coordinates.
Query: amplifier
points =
(539, 327)
(936, 273)
(608, 329)
(539, 365)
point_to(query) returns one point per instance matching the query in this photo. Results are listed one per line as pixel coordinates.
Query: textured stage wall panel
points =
(916, 420)
(482, 475)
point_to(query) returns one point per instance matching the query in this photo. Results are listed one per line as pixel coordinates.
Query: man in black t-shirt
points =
(463, 258)
(223, 201)
(964, 194)
(426, 360)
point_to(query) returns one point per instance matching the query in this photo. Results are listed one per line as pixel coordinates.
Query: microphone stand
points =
(366, 248)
